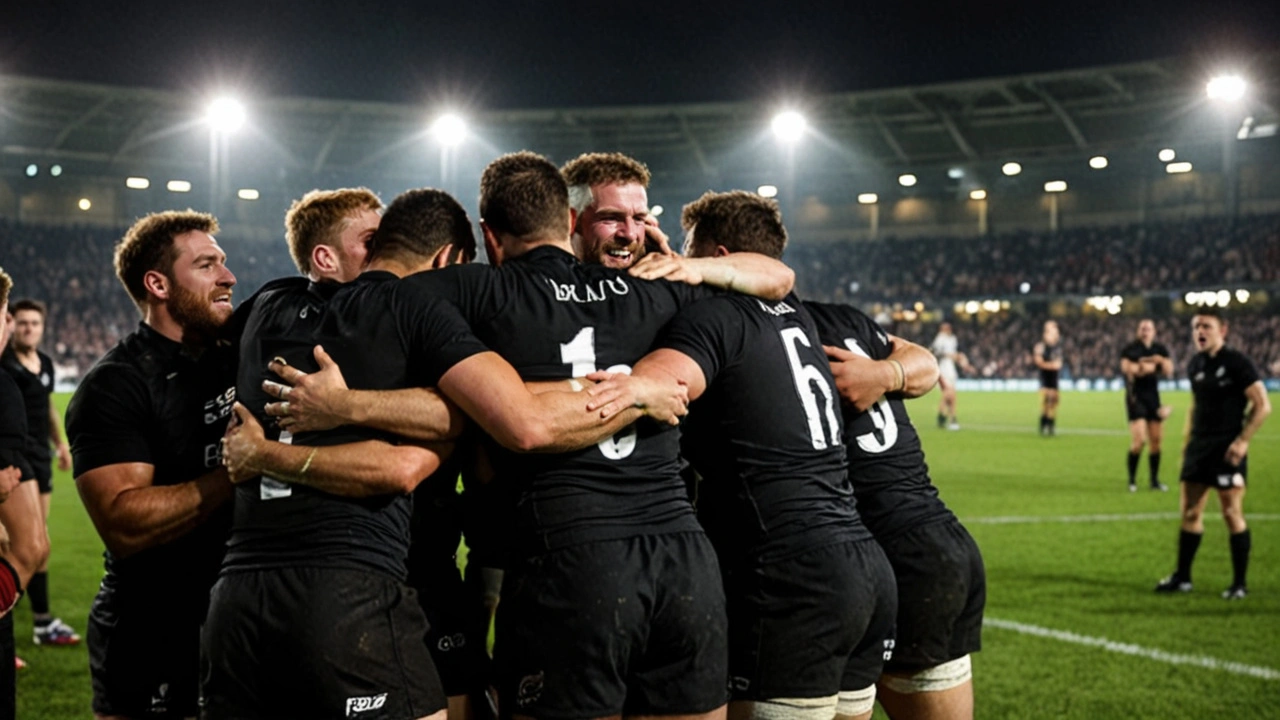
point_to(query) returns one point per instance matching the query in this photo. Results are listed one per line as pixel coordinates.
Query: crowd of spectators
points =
(70, 268)
(1083, 261)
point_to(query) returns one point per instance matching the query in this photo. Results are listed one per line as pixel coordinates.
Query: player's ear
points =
(443, 257)
(323, 260)
(722, 251)
(156, 284)
(573, 221)
(492, 247)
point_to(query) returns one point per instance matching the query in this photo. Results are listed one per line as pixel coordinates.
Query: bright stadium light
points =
(1167, 155)
(178, 186)
(868, 198)
(767, 191)
(55, 170)
(33, 170)
(971, 307)
(225, 115)
(1055, 186)
(955, 173)
(1098, 162)
(1228, 88)
(1178, 168)
(1011, 168)
(1242, 296)
(977, 194)
(449, 130)
(248, 194)
(84, 204)
(1224, 298)
(789, 126)
(137, 183)
(1024, 288)
(907, 180)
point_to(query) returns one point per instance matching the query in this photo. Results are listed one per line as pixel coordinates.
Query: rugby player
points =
(612, 605)
(328, 232)
(939, 569)
(145, 427)
(609, 193)
(810, 595)
(1229, 403)
(1047, 357)
(944, 346)
(1142, 362)
(32, 370)
(326, 516)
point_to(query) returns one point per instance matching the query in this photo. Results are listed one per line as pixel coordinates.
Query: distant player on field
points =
(1047, 357)
(1143, 361)
(946, 349)
(1228, 405)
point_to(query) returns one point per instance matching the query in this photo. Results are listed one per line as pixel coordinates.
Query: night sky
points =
(533, 54)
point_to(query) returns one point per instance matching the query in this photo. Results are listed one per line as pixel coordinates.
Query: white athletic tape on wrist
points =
(935, 679)
(853, 703)
(819, 708)
(575, 385)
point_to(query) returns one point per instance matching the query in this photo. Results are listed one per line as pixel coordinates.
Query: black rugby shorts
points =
(144, 654)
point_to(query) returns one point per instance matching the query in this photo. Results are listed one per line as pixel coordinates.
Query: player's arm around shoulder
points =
(744, 272)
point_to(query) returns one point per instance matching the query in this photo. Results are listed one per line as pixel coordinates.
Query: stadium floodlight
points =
(971, 307)
(84, 204)
(868, 198)
(33, 170)
(55, 170)
(1227, 88)
(1024, 288)
(1242, 296)
(1011, 168)
(789, 126)
(977, 194)
(955, 173)
(1167, 155)
(907, 180)
(225, 115)
(178, 186)
(656, 210)
(449, 129)
(1176, 168)
(1055, 186)
(767, 191)
(137, 183)
(1224, 298)
(1098, 162)
(248, 194)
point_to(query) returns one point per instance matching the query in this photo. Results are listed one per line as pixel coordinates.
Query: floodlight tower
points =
(225, 115)
(1227, 92)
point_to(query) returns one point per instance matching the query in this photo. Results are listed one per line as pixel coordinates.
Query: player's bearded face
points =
(611, 231)
(200, 313)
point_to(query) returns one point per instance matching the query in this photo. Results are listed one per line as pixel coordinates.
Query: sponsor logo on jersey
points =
(357, 705)
(598, 292)
(1222, 370)
(451, 642)
(530, 689)
(219, 408)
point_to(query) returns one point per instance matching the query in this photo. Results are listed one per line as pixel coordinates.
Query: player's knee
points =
(935, 679)
(855, 703)
(819, 708)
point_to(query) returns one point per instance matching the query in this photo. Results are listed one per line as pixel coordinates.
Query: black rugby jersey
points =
(1147, 384)
(13, 428)
(766, 435)
(151, 400)
(1218, 383)
(1049, 353)
(886, 461)
(384, 335)
(553, 317)
(35, 389)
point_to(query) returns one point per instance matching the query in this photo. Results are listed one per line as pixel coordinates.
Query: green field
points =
(1071, 560)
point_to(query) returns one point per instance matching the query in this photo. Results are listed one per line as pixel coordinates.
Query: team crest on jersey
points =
(450, 642)
(1222, 370)
(357, 705)
(530, 689)
(1199, 376)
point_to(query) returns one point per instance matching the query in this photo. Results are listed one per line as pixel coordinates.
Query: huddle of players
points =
(616, 601)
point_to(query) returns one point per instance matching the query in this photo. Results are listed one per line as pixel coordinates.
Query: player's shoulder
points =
(1160, 348)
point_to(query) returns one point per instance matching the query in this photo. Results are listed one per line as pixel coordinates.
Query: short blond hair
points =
(148, 245)
(591, 169)
(318, 217)
(6, 284)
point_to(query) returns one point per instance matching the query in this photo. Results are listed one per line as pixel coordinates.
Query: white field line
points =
(1130, 517)
(1204, 661)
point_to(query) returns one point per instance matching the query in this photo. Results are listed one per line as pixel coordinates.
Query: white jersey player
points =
(946, 349)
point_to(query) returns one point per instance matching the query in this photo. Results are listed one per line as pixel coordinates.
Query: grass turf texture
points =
(1093, 579)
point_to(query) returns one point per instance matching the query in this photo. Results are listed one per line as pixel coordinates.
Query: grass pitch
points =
(1074, 629)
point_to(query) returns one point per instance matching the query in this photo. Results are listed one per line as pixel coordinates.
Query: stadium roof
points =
(108, 130)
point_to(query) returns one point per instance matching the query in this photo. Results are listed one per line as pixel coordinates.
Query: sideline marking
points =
(1204, 661)
(1041, 519)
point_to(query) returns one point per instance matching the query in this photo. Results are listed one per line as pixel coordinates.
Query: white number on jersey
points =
(580, 355)
(805, 377)
(881, 414)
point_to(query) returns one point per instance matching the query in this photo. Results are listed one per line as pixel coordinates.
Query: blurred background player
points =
(32, 370)
(1228, 405)
(946, 349)
(1047, 357)
(1143, 361)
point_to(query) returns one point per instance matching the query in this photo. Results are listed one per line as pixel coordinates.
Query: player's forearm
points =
(749, 273)
(1259, 409)
(570, 428)
(360, 469)
(415, 413)
(145, 517)
(920, 369)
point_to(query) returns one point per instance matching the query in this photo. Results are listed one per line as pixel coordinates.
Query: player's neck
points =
(28, 356)
(1213, 351)
(399, 268)
(517, 248)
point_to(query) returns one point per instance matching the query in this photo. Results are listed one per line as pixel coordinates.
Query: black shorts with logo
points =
(1205, 463)
(457, 645)
(1142, 406)
(942, 590)
(633, 627)
(316, 643)
(144, 653)
(810, 626)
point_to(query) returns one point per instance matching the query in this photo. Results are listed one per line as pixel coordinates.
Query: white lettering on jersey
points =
(356, 705)
(881, 414)
(806, 377)
(778, 310)
(599, 292)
